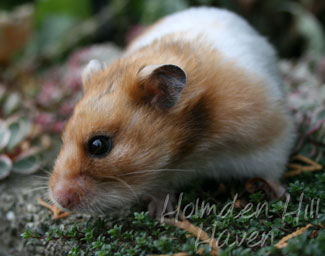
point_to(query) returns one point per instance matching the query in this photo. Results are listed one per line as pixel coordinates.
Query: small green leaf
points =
(19, 130)
(5, 166)
(11, 104)
(27, 163)
(4, 135)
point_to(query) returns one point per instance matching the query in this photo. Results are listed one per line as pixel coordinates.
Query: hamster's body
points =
(238, 45)
(198, 94)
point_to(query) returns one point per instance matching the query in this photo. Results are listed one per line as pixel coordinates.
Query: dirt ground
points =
(18, 206)
(19, 209)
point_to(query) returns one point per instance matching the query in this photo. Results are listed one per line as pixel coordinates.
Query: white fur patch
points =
(228, 33)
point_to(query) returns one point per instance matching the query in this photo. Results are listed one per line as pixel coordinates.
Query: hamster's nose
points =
(67, 197)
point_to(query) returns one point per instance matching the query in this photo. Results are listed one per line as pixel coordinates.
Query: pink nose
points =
(67, 197)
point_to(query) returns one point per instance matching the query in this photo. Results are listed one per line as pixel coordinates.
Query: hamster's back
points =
(225, 32)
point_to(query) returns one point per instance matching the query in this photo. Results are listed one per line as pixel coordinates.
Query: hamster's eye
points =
(99, 146)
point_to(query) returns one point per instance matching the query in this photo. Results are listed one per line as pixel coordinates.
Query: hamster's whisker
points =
(41, 177)
(40, 184)
(48, 172)
(157, 170)
(37, 188)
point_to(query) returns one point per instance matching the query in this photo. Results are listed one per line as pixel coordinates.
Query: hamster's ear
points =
(91, 68)
(162, 85)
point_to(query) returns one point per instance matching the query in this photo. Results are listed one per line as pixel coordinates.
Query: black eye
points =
(99, 146)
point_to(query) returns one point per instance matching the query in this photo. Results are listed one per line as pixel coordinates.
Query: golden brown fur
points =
(222, 109)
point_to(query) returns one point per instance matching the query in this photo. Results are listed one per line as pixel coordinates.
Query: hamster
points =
(198, 94)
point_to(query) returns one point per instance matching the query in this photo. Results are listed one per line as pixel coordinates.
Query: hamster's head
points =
(124, 130)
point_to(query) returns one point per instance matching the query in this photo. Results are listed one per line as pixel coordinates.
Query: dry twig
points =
(196, 232)
(283, 242)
(57, 213)
(297, 169)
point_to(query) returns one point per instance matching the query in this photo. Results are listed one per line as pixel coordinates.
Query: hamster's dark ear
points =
(91, 68)
(162, 85)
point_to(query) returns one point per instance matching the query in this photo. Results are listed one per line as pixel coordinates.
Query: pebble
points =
(11, 216)
(31, 208)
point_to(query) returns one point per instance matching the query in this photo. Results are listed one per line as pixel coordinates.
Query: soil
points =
(19, 209)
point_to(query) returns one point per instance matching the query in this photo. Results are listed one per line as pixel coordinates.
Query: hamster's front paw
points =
(161, 204)
(273, 189)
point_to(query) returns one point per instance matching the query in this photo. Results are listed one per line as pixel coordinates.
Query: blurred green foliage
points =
(295, 27)
(54, 19)
(78, 9)
(10, 4)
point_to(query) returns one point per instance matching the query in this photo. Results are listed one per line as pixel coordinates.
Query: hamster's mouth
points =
(91, 197)
(104, 200)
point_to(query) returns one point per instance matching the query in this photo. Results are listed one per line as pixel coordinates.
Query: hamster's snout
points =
(66, 197)
(67, 193)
